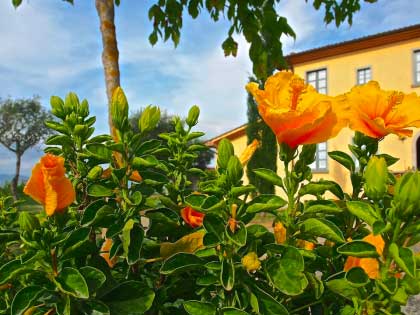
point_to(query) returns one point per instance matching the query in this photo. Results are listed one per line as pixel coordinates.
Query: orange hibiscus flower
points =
(369, 265)
(377, 113)
(191, 217)
(296, 112)
(49, 186)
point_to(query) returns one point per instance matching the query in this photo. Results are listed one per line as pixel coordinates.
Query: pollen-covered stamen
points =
(297, 87)
(393, 100)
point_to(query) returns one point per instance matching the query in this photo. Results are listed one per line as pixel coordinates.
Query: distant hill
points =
(4, 178)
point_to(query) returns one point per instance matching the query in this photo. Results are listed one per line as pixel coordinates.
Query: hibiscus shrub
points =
(128, 228)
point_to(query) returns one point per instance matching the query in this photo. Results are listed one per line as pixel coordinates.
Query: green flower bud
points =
(81, 130)
(71, 103)
(57, 107)
(234, 170)
(149, 118)
(119, 109)
(84, 109)
(376, 177)
(28, 222)
(224, 152)
(193, 114)
(95, 172)
(407, 194)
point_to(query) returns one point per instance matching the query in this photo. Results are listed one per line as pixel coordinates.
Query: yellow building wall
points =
(392, 67)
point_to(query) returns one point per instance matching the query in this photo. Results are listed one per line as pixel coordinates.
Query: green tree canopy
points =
(21, 127)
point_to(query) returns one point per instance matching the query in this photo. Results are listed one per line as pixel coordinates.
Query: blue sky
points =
(49, 47)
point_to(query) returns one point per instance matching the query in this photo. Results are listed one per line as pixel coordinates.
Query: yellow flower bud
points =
(280, 233)
(249, 152)
(376, 176)
(251, 262)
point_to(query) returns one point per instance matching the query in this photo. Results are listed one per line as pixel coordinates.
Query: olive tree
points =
(21, 127)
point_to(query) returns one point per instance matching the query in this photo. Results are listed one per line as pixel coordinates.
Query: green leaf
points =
(242, 190)
(95, 307)
(99, 214)
(342, 287)
(357, 277)
(199, 308)
(130, 297)
(316, 284)
(97, 190)
(269, 176)
(181, 262)
(390, 160)
(363, 211)
(16, 3)
(10, 270)
(94, 277)
(71, 281)
(320, 187)
(214, 225)
(359, 249)
(239, 236)
(132, 241)
(322, 206)
(26, 298)
(227, 274)
(404, 258)
(8, 236)
(323, 228)
(344, 159)
(268, 305)
(266, 203)
(286, 273)
(99, 151)
(233, 311)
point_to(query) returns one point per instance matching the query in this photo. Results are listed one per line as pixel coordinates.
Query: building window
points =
(417, 67)
(318, 79)
(321, 158)
(364, 75)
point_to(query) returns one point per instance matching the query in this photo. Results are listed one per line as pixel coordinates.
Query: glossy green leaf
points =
(321, 206)
(267, 304)
(316, 284)
(94, 277)
(323, 228)
(130, 297)
(199, 308)
(214, 225)
(239, 236)
(95, 307)
(181, 262)
(363, 211)
(342, 287)
(286, 273)
(344, 159)
(26, 298)
(71, 281)
(404, 258)
(97, 190)
(227, 274)
(132, 241)
(357, 277)
(358, 248)
(320, 187)
(11, 269)
(98, 213)
(266, 203)
(233, 311)
(269, 175)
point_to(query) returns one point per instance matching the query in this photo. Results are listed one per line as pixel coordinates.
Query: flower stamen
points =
(393, 100)
(298, 87)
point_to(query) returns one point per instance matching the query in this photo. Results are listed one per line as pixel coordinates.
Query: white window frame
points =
(358, 70)
(315, 166)
(416, 67)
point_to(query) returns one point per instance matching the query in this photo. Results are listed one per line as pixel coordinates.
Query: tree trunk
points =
(105, 9)
(15, 180)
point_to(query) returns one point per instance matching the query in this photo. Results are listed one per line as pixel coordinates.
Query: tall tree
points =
(266, 154)
(257, 20)
(21, 127)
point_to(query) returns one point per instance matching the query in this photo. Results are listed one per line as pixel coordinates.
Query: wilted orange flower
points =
(49, 186)
(280, 233)
(251, 262)
(305, 244)
(377, 113)
(249, 152)
(296, 112)
(191, 217)
(369, 265)
(106, 247)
